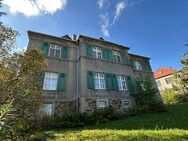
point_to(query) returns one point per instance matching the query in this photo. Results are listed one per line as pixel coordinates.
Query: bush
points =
(172, 97)
(82, 119)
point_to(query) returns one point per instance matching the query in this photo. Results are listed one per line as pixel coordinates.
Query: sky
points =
(154, 28)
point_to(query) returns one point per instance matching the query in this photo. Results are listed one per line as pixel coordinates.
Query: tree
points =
(146, 97)
(20, 85)
(1, 13)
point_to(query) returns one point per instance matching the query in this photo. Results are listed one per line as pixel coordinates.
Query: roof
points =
(38, 33)
(91, 38)
(139, 56)
(161, 72)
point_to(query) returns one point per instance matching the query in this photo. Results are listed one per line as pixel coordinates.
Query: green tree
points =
(20, 85)
(146, 97)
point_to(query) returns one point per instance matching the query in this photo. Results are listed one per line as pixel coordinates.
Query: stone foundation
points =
(64, 108)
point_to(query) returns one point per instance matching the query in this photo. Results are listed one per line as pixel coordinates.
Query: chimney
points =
(74, 38)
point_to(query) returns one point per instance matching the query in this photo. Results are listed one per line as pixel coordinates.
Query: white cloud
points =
(35, 7)
(105, 25)
(119, 8)
(101, 3)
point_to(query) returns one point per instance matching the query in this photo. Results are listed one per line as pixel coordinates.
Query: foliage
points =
(19, 82)
(146, 98)
(82, 119)
(173, 97)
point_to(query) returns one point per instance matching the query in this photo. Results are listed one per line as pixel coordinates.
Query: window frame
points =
(168, 80)
(102, 100)
(116, 54)
(129, 105)
(48, 81)
(56, 48)
(99, 81)
(137, 65)
(46, 112)
(121, 79)
(97, 53)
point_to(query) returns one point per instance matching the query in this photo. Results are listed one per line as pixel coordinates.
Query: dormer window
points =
(116, 56)
(97, 53)
(55, 51)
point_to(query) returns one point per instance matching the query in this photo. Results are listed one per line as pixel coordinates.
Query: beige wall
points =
(164, 85)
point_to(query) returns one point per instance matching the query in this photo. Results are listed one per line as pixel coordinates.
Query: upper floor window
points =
(137, 65)
(99, 81)
(158, 83)
(116, 56)
(122, 82)
(50, 81)
(168, 80)
(55, 51)
(97, 53)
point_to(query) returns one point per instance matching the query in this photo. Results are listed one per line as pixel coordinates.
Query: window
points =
(97, 53)
(168, 80)
(122, 82)
(47, 109)
(55, 51)
(50, 81)
(137, 65)
(116, 56)
(158, 83)
(101, 103)
(126, 103)
(99, 81)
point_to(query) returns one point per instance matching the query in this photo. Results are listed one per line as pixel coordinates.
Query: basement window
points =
(126, 103)
(101, 104)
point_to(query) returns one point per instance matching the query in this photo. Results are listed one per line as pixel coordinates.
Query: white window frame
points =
(56, 49)
(126, 106)
(47, 109)
(138, 65)
(50, 81)
(116, 54)
(97, 53)
(99, 101)
(122, 82)
(99, 80)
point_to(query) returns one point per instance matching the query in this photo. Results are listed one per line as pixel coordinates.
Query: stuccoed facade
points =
(88, 73)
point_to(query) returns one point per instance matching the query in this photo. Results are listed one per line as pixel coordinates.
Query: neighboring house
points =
(164, 78)
(85, 73)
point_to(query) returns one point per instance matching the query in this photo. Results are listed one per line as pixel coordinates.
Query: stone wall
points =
(64, 108)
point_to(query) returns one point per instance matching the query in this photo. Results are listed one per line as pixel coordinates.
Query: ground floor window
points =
(101, 104)
(126, 103)
(47, 109)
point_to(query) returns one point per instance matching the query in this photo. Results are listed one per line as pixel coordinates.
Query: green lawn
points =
(168, 126)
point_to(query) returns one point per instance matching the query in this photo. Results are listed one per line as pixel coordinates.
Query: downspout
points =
(77, 78)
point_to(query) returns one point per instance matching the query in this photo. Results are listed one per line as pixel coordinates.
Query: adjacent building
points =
(164, 78)
(85, 73)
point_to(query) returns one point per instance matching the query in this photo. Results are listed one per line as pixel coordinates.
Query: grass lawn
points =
(169, 126)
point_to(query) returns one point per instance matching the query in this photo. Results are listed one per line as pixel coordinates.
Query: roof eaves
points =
(103, 41)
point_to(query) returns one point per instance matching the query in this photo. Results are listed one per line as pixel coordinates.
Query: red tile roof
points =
(161, 72)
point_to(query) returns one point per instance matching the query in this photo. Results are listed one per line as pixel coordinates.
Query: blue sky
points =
(154, 28)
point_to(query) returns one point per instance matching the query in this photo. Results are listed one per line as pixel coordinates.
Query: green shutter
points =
(109, 83)
(90, 80)
(125, 58)
(129, 83)
(89, 50)
(110, 55)
(114, 82)
(45, 48)
(64, 52)
(105, 53)
(61, 82)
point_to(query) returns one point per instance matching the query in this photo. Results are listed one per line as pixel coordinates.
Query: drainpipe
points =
(77, 79)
